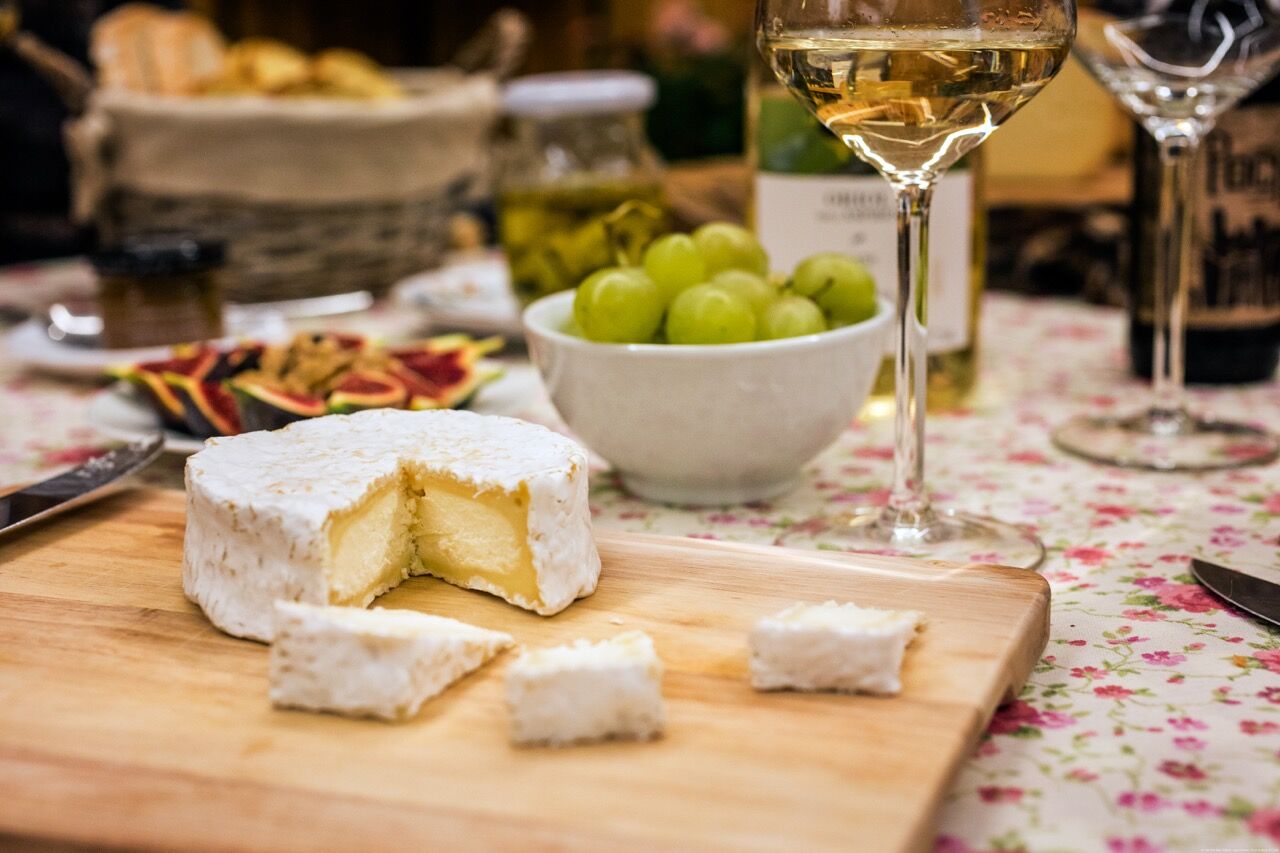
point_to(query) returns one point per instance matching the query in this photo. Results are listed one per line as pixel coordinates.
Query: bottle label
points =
(1235, 266)
(800, 215)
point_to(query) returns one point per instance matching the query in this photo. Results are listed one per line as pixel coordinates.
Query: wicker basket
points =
(285, 250)
(313, 198)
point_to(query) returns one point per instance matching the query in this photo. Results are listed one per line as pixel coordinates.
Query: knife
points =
(1250, 594)
(90, 481)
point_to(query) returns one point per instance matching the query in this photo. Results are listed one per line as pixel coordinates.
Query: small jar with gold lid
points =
(159, 289)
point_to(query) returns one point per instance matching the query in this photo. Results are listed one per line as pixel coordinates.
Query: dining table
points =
(1152, 720)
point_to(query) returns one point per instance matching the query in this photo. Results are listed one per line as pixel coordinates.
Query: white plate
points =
(119, 413)
(472, 295)
(29, 346)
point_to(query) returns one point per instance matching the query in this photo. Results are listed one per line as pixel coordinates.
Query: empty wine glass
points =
(1175, 65)
(911, 86)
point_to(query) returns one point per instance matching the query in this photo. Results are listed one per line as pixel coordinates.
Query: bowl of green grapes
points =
(701, 375)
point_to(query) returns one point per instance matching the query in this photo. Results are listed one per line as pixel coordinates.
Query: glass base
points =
(956, 537)
(1166, 441)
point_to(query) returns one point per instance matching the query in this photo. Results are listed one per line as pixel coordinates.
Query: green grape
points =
(707, 314)
(674, 264)
(841, 286)
(618, 305)
(791, 316)
(725, 246)
(749, 286)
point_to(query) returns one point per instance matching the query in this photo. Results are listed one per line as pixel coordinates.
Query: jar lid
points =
(159, 254)
(579, 93)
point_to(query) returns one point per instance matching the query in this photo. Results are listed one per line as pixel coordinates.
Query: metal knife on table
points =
(87, 482)
(1250, 594)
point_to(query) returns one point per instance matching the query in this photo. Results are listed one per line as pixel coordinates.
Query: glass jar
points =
(159, 289)
(578, 180)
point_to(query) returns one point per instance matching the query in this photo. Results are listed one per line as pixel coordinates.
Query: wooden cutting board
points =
(127, 719)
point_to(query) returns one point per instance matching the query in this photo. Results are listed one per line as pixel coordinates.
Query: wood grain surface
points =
(127, 719)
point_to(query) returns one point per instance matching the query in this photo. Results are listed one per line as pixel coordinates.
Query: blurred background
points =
(1060, 186)
(255, 173)
(1059, 202)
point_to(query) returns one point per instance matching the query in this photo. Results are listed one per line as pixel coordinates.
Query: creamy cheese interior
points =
(370, 547)
(433, 524)
(461, 534)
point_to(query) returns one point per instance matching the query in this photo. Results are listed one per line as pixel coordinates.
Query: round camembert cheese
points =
(340, 509)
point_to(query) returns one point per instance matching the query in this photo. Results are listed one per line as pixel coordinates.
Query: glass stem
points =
(908, 504)
(1172, 280)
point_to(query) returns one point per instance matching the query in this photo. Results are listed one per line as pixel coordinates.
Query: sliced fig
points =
(481, 375)
(417, 387)
(438, 369)
(445, 365)
(448, 343)
(262, 406)
(193, 360)
(209, 409)
(239, 359)
(441, 380)
(367, 389)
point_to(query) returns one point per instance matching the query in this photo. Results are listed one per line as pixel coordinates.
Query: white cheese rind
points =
(371, 663)
(586, 692)
(831, 647)
(260, 505)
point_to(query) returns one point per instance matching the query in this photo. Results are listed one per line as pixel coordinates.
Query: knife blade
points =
(1250, 594)
(92, 480)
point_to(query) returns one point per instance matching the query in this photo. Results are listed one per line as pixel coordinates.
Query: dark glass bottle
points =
(1233, 315)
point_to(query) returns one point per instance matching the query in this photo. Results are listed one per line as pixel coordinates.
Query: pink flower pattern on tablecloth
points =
(1152, 722)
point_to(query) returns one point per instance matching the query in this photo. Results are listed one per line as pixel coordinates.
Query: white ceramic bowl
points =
(706, 424)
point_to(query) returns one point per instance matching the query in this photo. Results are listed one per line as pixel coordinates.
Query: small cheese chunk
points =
(371, 663)
(830, 646)
(586, 692)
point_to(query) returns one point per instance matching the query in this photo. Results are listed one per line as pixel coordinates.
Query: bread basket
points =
(312, 197)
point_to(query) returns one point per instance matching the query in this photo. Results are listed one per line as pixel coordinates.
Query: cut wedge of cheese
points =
(338, 510)
(371, 663)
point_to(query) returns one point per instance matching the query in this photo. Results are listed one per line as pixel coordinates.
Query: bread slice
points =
(142, 48)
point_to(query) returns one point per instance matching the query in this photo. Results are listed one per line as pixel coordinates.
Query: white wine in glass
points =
(1175, 66)
(918, 101)
(911, 86)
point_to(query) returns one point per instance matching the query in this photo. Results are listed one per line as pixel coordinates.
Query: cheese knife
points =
(90, 481)
(1250, 594)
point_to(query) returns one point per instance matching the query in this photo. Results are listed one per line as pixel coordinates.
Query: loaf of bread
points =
(263, 66)
(143, 48)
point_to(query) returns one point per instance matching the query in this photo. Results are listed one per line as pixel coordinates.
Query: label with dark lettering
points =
(1235, 266)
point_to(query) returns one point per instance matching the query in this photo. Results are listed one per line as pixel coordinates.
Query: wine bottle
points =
(810, 194)
(1233, 309)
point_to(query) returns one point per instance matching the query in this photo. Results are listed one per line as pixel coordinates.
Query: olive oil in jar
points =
(556, 235)
(579, 187)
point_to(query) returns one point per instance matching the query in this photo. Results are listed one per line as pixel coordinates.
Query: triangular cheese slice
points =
(371, 663)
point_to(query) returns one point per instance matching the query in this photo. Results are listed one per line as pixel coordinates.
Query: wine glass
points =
(1175, 65)
(911, 86)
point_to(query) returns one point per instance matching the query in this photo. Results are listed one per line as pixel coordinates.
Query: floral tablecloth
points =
(1153, 720)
